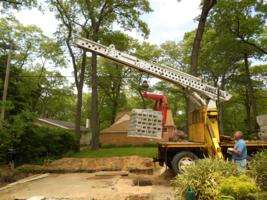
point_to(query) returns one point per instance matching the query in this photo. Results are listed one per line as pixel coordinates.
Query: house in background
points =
(116, 134)
(52, 123)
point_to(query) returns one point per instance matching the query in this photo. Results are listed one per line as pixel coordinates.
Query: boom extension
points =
(162, 72)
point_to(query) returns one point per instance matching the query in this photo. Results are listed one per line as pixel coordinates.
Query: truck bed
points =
(249, 143)
(181, 144)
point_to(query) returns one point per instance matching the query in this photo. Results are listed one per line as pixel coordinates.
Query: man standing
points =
(239, 152)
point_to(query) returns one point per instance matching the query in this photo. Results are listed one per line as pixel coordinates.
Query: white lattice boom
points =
(162, 72)
(145, 123)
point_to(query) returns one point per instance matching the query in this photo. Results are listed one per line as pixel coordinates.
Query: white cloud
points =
(171, 19)
(46, 21)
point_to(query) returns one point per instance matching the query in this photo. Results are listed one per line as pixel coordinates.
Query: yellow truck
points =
(204, 140)
(203, 136)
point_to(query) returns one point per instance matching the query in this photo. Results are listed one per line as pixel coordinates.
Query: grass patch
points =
(146, 151)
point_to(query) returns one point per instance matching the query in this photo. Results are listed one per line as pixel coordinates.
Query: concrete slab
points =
(81, 186)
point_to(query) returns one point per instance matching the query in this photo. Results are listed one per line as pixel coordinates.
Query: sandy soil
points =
(120, 163)
(86, 185)
(128, 163)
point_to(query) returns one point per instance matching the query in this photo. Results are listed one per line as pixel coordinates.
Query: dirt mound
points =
(135, 164)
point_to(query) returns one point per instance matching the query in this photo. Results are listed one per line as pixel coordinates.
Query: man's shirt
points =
(240, 146)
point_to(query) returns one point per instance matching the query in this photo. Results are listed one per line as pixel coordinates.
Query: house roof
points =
(123, 125)
(117, 128)
(60, 124)
(121, 114)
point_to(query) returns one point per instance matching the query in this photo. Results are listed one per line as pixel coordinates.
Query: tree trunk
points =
(220, 106)
(207, 5)
(220, 109)
(248, 120)
(94, 104)
(80, 100)
(187, 112)
(251, 96)
(114, 111)
(78, 113)
(2, 117)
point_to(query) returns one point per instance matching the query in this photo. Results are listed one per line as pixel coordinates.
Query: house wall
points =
(121, 138)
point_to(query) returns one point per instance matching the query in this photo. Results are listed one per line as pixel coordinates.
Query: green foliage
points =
(258, 169)
(204, 177)
(261, 196)
(16, 4)
(241, 187)
(31, 86)
(32, 142)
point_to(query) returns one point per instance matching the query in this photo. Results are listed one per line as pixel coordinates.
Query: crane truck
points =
(204, 139)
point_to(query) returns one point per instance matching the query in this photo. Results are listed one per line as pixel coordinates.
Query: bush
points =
(204, 177)
(33, 143)
(261, 196)
(242, 187)
(258, 168)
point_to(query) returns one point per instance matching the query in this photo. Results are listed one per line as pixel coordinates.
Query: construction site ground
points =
(117, 178)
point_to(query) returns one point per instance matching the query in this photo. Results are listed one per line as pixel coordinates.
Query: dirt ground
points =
(84, 186)
(8, 176)
(129, 163)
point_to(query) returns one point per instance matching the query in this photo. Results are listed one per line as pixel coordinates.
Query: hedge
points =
(33, 143)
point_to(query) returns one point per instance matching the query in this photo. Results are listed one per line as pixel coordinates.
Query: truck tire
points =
(181, 160)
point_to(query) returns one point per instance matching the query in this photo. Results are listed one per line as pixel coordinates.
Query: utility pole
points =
(2, 117)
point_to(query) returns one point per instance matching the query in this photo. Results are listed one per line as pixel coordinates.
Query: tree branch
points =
(68, 25)
(10, 1)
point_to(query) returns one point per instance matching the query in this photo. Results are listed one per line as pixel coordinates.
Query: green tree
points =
(15, 43)
(6, 5)
(245, 21)
(113, 78)
(148, 52)
(29, 80)
(218, 62)
(93, 18)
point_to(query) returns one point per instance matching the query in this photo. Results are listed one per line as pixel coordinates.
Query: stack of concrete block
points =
(145, 123)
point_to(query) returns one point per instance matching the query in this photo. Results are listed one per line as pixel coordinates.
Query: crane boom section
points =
(159, 71)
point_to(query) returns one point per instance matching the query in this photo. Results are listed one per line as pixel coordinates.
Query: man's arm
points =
(238, 148)
(236, 151)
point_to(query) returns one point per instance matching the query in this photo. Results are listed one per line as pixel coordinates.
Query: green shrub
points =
(258, 168)
(33, 143)
(242, 187)
(261, 196)
(204, 177)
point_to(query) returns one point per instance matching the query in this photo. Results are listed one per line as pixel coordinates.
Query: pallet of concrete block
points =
(145, 123)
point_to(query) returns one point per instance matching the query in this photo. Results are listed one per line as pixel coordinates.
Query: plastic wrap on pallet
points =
(145, 123)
